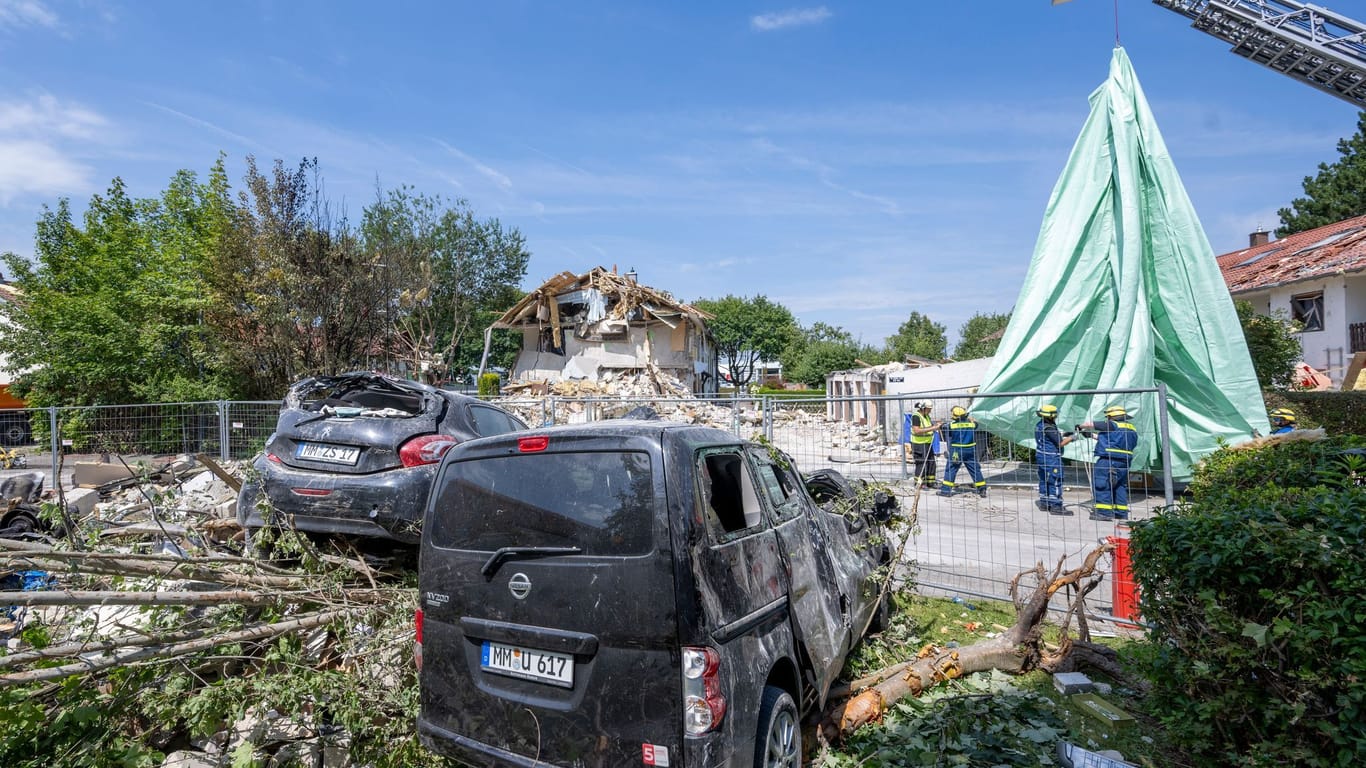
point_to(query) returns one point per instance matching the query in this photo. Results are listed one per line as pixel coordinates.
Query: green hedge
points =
(489, 385)
(780, 392)
(1254, 593)
(1340, 413)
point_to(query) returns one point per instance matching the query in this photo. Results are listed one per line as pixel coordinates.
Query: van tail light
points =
(703, 705)
(272, 457)
(417, 643)
(425, 449)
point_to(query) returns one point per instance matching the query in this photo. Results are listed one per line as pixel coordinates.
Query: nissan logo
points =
(519, 585)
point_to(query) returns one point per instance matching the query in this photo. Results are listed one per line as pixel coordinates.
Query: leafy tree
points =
(111, 309)
(443, 267)
(747, 331)
(817, 351)
(980, 336)
(1274, 343)
(919, 336)
(293, 293)
(1338, 191)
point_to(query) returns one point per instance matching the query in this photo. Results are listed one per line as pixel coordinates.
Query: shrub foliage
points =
(1253, 588)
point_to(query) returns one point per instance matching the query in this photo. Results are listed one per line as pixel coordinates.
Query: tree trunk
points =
(1016, 650)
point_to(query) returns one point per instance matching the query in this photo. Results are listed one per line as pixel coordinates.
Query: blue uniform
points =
(1115, 443)
(963, 452)
(1048, 449)
(1283, 430)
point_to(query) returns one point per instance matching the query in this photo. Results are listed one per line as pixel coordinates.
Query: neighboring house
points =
(1318, 277)
(587, 326)
(8, 294)
(766, 374)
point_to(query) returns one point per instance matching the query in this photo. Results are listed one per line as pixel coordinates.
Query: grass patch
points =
(986, 719)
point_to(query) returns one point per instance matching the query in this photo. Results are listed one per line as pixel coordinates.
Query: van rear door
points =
(547, 586)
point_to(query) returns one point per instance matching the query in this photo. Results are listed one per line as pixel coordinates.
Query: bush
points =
(1340, 413)
(1258, 618)
(789, 393)
(489, 384)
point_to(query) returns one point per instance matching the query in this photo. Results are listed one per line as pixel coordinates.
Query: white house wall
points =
(1326, 350)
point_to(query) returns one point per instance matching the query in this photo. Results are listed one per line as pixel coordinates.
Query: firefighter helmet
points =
(1115, 412)
(1047, 412)
(959, 411)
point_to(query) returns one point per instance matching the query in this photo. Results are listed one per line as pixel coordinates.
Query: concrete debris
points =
(795, 428)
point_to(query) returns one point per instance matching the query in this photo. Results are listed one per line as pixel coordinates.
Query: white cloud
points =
(46, 115)
(28, 166)
(794, 17)
(18, 14)
(492, 174)
(34, 158)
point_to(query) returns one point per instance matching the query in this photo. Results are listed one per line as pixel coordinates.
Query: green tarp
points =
(1124, 292)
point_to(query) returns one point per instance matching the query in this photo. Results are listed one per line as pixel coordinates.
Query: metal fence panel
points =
(964, 544)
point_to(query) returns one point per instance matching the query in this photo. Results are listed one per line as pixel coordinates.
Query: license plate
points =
(516, 661)
(333, 454)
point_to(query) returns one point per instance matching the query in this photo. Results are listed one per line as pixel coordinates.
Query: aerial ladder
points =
(1311, 44)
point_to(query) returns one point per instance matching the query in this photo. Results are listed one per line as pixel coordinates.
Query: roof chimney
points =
(1260, 237)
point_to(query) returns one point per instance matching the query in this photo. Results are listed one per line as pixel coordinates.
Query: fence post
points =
(54, 441)
(548, 411)
(770, 403)
(900, 425)
(735, 414)
(1166, 444)
(224, 431)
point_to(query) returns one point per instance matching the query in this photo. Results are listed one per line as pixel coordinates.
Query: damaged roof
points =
(1312, 254)
(622, 295)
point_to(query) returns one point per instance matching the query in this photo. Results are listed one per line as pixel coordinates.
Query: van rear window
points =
(601, 502)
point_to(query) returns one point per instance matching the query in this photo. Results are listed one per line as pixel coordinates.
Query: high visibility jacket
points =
(920, 420)
(1116, 440)
(963, 434)
(1047, 439)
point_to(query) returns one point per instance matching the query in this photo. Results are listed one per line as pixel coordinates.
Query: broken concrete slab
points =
(94, 474)
(80, 502)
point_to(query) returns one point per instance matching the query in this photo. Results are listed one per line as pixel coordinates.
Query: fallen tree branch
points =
(259, 632)
(1016, 650)
(216, 597)
(74, 649)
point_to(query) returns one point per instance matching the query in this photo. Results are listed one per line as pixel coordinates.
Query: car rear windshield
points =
(601, 502)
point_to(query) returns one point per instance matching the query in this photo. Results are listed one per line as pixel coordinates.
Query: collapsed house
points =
(601, 326)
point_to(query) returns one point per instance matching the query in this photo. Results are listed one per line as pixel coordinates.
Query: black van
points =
(636, 593)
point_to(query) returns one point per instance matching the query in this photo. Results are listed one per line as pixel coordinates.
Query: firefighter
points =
(1116, 439)
(962, 439)
(1282, 421)
(919, 434)
(1049, 442)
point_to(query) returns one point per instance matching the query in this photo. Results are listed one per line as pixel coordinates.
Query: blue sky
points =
(853, 161)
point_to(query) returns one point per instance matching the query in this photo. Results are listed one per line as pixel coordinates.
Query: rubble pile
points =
(145, 586)
(799, 429)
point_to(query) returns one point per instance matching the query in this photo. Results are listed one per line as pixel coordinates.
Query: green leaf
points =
(1255, 631)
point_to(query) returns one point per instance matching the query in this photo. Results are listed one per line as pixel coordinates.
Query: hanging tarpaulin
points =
(1124, 292)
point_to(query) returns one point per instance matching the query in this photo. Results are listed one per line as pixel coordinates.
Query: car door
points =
(819, 608)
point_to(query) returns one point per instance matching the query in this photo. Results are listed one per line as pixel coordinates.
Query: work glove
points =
(1068, 434)
(1076, 427)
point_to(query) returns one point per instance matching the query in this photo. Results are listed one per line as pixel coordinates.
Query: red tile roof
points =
(1307, 255)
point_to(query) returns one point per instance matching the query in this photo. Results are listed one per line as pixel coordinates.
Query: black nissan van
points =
(635, 593)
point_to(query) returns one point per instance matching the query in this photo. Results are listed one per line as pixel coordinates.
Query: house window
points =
(1307, 310)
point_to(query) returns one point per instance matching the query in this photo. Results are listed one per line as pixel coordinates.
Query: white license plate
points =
(334, 454)
(516, 661)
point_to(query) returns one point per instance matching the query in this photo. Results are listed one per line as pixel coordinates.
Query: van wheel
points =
(779, 743)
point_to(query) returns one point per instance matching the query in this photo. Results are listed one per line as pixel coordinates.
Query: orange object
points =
(1125, 589)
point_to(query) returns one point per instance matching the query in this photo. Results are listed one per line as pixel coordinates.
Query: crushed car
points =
(355, 454)
(638, 592)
